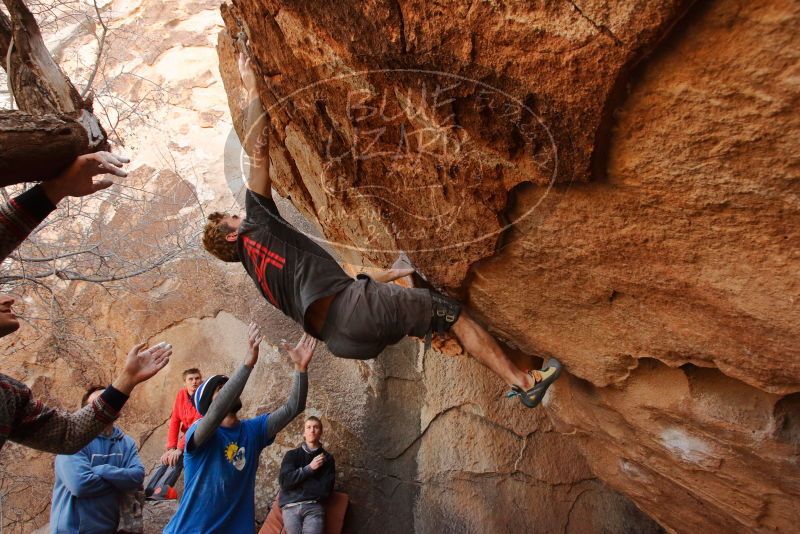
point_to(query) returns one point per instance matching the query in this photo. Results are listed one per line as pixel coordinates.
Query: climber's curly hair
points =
(214, 238)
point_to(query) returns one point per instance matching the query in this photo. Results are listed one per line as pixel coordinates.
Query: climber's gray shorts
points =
(368, 316)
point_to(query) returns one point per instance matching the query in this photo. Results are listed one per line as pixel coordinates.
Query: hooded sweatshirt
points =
(89, 483)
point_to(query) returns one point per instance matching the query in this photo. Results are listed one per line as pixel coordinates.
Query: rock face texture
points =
(417, 120)
(615, 184)
(612, 183)
(424, 443)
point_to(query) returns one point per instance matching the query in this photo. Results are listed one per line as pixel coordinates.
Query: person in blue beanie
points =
(89, 484)
(222, 451)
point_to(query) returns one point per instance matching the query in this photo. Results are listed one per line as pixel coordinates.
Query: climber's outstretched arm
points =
(256, 128)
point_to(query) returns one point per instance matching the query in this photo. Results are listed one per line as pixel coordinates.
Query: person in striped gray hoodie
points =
(22, 418)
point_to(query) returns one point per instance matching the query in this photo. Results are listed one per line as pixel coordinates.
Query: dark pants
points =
(307, 518)
(163, 476)
(368, 316)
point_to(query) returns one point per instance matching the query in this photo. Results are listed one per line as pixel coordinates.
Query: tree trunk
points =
(38, 83)
(34, 148)
(55, 123)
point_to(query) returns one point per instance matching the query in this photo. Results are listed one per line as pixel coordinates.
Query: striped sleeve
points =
(20, 216)
(47, 429)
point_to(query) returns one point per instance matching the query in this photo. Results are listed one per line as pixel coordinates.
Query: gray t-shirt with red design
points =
(290, 269)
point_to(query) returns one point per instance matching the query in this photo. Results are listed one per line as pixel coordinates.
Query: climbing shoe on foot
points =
(533, 397)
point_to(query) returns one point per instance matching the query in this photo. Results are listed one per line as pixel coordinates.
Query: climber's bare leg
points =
(390, 275)
(483, 347)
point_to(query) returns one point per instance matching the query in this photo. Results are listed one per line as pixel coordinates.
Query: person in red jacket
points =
(183, 415)
(162, 481)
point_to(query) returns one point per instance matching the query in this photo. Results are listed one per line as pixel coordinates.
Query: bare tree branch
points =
(38, 146)
(6, 47)
(57, 257)
(6, 35)
(8, 77)
(40, 87)
(100, 44)
(39, 84)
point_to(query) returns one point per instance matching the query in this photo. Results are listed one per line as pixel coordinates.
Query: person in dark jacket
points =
(307, 477)
(89, 484)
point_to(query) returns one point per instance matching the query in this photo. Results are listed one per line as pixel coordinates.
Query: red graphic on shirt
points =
(262, 257)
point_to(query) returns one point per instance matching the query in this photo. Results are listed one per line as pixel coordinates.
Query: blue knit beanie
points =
(204, 394)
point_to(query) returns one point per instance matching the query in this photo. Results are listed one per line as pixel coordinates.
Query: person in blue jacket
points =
(89, 484)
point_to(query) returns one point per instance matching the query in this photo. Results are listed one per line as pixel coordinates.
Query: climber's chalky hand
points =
(247, 74)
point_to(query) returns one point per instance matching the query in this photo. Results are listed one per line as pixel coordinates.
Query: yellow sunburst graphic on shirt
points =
(230, 451)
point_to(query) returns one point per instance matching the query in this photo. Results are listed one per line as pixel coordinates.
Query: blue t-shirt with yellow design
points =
(220, 480)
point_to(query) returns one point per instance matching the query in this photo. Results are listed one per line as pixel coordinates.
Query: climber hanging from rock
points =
(357, 318)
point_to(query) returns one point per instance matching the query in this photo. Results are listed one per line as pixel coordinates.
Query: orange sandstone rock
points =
(647, 164)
